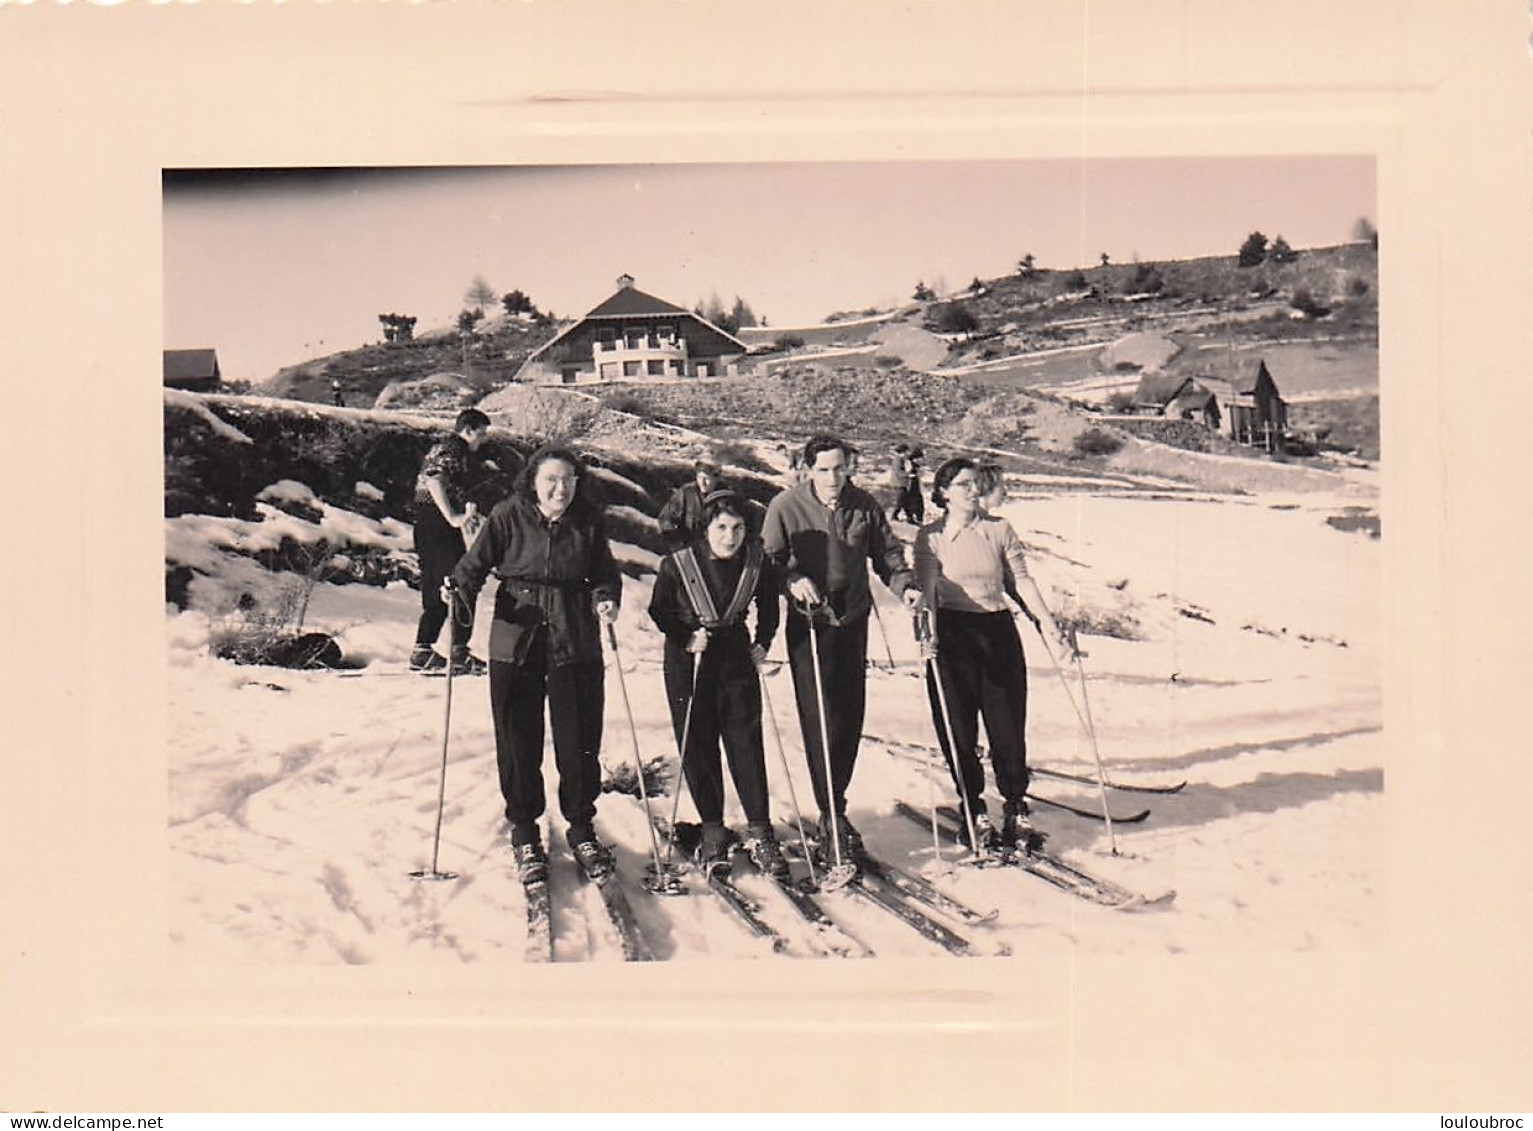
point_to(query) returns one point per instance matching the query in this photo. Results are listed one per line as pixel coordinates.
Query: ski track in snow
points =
(300, 801)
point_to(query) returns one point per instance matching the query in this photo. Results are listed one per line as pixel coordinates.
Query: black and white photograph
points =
(1105, 525)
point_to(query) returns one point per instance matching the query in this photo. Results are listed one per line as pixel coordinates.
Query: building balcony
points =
(640, 348)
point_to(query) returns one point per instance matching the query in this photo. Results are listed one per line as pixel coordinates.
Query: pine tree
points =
(479, 294)
(1254, 250)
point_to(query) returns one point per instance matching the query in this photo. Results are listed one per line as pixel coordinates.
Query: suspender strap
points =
(698, 595)
(696, 588)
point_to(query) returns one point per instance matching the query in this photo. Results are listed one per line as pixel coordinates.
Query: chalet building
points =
(633, 336)
(1254, 411)
(192, 369)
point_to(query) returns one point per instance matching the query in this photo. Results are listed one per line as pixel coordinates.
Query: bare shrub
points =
(268, 628)
(1096, 442)
(1084, 620)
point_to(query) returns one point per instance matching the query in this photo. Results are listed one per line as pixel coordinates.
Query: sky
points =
(272, 267)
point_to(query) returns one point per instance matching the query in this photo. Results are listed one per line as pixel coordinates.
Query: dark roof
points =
(628, 301)
(191, 365)
(1194, 399)
(1254, 382)
(1160, 388)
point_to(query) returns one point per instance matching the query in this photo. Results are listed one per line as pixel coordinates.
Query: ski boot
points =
(465, 662)
(531, 862)
(766, 853)
(424, 658)
(1018, 836)
(714, 849)
(595, 859)
(839, 872)
(987, 839)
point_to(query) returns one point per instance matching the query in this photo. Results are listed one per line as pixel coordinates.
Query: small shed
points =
(192, 369)
(1177, 398)
(1157, 390)
(1254, 411)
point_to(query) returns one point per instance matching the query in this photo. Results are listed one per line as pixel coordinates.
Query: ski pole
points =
(1096, 754)
(842, 873)
(1085, 722)
(934, 673)
(884, 636)
(681, 756)
(921, 630)
(782, 756)
(633, 734)
(441, 795)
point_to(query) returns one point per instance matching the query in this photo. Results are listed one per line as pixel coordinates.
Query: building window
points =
(657, 368)
(609, 371)
(630, 369)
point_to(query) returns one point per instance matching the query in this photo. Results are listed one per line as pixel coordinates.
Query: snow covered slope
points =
(300, 801)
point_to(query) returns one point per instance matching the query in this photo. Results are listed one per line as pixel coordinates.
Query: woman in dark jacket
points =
(548, 546)
(702, 595)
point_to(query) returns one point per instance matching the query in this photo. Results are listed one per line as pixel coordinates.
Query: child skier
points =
(700, 600)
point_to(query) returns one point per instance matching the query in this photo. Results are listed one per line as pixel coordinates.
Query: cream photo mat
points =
(95, 101)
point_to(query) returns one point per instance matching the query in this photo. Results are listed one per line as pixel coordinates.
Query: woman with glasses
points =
(966, 562)
(558, 583)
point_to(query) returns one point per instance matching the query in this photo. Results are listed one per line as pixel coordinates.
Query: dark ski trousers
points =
(574, 694)
(439, 545)
(983, 675)
(843, 665)
(726, 704)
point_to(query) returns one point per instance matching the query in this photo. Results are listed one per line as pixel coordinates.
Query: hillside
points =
(1046, 329)
(484, 360)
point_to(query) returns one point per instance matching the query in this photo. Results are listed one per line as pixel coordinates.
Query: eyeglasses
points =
(966, 484)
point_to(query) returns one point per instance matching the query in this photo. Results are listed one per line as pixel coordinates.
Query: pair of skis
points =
(924, 750)
(1047, 867)
(912, 900)
(540, 935)
(915, 902)
(828, 938)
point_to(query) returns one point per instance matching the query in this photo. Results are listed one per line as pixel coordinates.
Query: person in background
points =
(445, 522)
(898, 477)
(913, 503)
(821, 537)
(990, 485)
(963, 562)
(701, 597)
(793, 464)
(682, 516)
(548, 545)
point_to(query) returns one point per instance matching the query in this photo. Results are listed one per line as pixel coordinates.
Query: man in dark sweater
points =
(821, 536)
(445, 523)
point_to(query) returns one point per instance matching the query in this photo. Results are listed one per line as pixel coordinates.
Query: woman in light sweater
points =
(966, 562)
